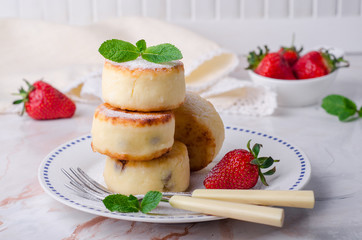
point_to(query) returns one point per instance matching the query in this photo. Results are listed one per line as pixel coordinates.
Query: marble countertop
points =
(333, 147)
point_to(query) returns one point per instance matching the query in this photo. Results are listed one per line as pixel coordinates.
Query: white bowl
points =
(296, 93)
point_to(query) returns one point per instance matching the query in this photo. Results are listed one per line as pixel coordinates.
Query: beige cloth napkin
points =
(62, 54)
(67, 57)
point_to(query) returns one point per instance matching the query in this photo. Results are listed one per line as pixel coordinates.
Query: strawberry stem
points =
(255, 58)
(333, 62)
(341, 60)
(24, 95)
(261, 162)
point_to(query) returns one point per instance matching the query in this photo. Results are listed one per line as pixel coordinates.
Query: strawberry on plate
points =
(43, 102)
(240, 169)
(271, 65)
(316, 64)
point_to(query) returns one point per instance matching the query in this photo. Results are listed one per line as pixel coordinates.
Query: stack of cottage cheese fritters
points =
(152, 132)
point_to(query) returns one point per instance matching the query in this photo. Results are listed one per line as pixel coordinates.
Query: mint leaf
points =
(150, 201)
(162, 53)
(141, 45)
(339, 106)
(121, 203)
(122, 51)
(133, 201)
(124, 204)
(118, 50)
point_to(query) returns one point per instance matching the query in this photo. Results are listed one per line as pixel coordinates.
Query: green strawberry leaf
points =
(255, 58)
(259, 161)
(22, 91)
(141, 45)
(267, 163)
(255, 161)
(162, 53)
(121, 203)
(263, 162)
(339, 106)
(118, 50)
(30, 86)
(150, 201)
(360, 112)
(270, 172)
(18, 101)
(262, 178)
(256, 149)
(248, 146)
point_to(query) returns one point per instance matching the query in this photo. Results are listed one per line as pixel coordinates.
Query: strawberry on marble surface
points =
(43, 102)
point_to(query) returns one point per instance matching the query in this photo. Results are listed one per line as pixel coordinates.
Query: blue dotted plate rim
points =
(43, 177)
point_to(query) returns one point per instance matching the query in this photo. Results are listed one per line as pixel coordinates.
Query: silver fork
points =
(83, 185)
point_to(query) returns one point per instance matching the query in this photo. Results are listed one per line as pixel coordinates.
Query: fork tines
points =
(84, 185)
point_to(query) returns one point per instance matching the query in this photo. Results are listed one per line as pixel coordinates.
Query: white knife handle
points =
(251, 213)
(300, 199)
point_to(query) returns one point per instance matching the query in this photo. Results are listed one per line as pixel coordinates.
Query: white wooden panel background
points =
(239, 25)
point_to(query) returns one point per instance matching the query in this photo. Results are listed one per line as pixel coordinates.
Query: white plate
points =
(293, 172)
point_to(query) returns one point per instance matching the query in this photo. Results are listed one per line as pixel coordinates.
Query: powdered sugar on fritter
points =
(113, 113)
(140, 63)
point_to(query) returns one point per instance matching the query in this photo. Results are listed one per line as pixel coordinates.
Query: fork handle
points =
(287, 198)
(251, 213)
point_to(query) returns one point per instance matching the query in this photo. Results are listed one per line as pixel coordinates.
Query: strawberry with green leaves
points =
(268, 64)
(290, 54)
(240, 169)
(316, 64)
(42, 102)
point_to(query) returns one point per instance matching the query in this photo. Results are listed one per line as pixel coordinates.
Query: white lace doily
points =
(231, 95)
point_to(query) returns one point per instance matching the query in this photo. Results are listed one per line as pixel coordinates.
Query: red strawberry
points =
(290, 54)
(42, 101)
(239, 169)
(316, 64)
(271, 65)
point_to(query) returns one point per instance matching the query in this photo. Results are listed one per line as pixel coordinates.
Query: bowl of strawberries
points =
(299, 80)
